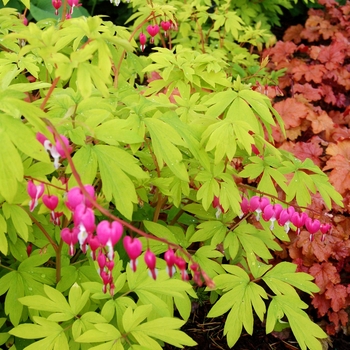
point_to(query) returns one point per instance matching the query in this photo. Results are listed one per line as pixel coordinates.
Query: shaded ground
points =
(208, 333)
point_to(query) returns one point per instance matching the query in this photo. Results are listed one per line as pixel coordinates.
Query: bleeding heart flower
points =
(35, 192)
(272, 213)
(285, 218)
(75, 197)
(153, 30)
(133, 248)
(143, 40)
(312, 226)
(56, 4)
(166, 26)
(258, 204)
(70, 236)
(298, 220)
(50, 201)
(109, 234)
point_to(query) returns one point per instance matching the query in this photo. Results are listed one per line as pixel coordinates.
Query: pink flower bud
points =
(150, 260)
(143, 40)
(244, 207)
(50, 201)
(170, 259)
(101, 260)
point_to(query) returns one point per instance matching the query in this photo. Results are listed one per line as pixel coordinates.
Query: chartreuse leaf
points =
(209, 229)
(165, 329)
(240, 295)
(77, 299)
(208, 189)
(282, 277)
(251, 240)
(15, 290)
(132, 318)
(11, 167)
(102, 332)
(19, 218)
(55, 303)
(305, 331)
(303, 183)
(160, 231)
(3, 239)
(164, 141)
(53, 334)
(326, 190)
(114, 163)
(23, 138)
(205, 256)
(187, 134)
(85, 161)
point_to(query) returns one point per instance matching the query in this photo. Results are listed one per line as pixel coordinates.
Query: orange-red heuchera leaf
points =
(332, 56)
(320, 122)
(309, 72)
(338, 317)
(293, 33)
(309, 92)
(322, 304)
(340, 163)
(324, 273)
(291, 112)
(337, 295)
(282, 51)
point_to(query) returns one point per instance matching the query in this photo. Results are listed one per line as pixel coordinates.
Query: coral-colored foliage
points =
(316, 112)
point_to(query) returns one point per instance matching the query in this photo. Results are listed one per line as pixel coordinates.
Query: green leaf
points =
(209, 229)
(114, 163)
(13, 307)
(305, 331)
(164, 138)
(132, 318)
(77, 299)
(102, 333)
(3, 239)
(160, 231)
(11, 168)
(19, 218)
(24, 138)
(85, 162)
(282, 277)
(165, 329)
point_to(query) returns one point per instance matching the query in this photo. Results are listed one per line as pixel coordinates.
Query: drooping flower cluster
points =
(72, 3)
(153, 30)
(57, 150)
(268, 211)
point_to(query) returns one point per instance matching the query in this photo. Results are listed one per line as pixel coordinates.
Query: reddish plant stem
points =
(52, 87)
(42, 229)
